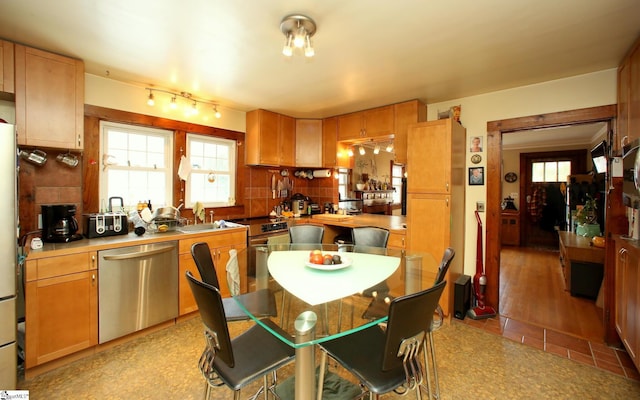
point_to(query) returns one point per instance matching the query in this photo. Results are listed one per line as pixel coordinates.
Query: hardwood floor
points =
(532, 290)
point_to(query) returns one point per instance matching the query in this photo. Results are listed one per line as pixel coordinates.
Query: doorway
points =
(495, 130)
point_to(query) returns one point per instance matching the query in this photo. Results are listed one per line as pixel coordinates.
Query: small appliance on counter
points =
(314, 208)
(59, 224)
(105, 224)
(111, 223)
(300, 204)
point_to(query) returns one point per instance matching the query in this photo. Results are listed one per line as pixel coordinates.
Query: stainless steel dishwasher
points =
(138, 288)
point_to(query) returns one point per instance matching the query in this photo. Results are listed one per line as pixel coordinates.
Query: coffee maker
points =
(59, 224)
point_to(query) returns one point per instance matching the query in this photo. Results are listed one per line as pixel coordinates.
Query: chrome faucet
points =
(211, 215)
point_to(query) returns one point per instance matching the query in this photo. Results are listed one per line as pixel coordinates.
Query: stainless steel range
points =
(259, 231)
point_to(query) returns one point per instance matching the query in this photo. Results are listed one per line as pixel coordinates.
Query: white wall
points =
(589, 90)
(109, 93)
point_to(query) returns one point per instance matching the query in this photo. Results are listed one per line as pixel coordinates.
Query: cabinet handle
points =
(93, 279)
(447, 186)
(402, 242)
(447, 202)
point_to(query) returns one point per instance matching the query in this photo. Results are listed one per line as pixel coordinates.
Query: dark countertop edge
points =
(111, 242)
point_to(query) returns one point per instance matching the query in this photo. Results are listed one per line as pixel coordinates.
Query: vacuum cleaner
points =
(481, 310)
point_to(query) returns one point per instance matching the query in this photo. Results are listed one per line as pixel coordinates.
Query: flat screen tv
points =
(599, 157)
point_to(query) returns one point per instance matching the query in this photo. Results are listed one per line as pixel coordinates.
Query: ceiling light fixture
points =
(190, 102)
(389, 148)
(350, 152)
(376, 149)
(298, 30)
(361, 150)
(150, 100)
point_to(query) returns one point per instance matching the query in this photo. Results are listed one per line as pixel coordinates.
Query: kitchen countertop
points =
(394, 223)
(111, 242)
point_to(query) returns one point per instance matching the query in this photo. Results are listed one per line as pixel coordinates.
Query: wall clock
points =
(511, 177)
(476, 158)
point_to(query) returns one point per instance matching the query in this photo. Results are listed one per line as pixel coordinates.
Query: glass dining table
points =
(327, 291)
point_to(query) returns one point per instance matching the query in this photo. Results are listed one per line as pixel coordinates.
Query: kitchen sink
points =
(207, 227)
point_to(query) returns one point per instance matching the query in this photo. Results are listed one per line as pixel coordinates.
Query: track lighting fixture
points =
(350, 152)
(189, 102)
(362, 151)
(376, 149)
(389, 147)
(298, 30)
(150, 99)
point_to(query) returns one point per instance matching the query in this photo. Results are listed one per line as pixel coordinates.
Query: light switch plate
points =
(480, 206)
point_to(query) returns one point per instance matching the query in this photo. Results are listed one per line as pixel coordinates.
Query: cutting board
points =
(332, 217)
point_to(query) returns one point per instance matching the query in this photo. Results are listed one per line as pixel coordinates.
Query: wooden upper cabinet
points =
(261, 140)
(270, 139)
(628, 121)
(309, 142)
(407, 113)
(368, 124)
(334, 153)
(434, 147)
(634, 94)
(287, 140)
(49, 99)
(7, 76)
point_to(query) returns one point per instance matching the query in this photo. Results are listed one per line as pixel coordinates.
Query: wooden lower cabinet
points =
(61, 306)
(510, 228)
(396, 241)
(627, 298)
(219, 245)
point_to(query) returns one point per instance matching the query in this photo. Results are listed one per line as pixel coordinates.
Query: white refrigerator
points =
(8, 253)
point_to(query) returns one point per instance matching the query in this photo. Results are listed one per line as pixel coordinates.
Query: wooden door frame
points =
(494, 174)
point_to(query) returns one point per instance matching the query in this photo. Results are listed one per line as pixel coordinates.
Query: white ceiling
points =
(560, 138)
(368, 52)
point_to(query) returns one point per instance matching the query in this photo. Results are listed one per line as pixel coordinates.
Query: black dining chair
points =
(303, 237)
(372, 240)
(261, 303)
(236, 362)
(387, 358)
(379, 307)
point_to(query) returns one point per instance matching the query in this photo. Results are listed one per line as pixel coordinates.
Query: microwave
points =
(630, 175)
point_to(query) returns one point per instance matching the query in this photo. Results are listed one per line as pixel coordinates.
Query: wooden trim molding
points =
(494, 174)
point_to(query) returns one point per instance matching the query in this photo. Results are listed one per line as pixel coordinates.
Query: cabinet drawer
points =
(61, 265)
(224, 239)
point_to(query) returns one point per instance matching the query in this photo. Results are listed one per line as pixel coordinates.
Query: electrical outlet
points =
(480, 206)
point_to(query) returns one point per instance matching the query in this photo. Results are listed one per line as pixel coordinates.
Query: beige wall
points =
(589, 90)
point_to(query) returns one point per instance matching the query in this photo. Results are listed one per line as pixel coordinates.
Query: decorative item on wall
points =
(475, 144)
(476, 176)
(511, 177)
(476, 158)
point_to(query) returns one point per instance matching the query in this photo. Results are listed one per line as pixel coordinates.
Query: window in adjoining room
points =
(550, 171)
(136, 164)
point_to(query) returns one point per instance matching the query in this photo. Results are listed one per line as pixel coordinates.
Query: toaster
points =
(105, 224)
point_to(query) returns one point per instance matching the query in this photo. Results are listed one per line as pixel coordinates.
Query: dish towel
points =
(198, 211)
(184, 169)
(233, 272)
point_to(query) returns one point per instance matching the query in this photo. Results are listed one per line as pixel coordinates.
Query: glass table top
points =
(348, 292)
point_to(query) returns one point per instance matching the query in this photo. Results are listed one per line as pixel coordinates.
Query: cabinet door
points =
(286, 140)
(49, 99)
(330, 142)
(261, 140)
(428, 233)
(309, 140)
(429, 157)
(622, 130)
(379, 122)
(634, 95)
(407, 113)
(6, 67)
(350, 126)
(61, 316)
(631, 284)
(186, 301)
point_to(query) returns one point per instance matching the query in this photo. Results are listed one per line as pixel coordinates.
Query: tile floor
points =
(583, 351)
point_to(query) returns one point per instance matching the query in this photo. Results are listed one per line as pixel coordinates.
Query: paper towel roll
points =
(322, 173)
